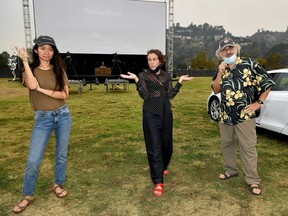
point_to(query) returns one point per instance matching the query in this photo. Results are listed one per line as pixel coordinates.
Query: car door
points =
(274, 112)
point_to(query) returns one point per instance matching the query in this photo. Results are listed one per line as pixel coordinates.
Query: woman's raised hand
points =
(22, 53)
(185, 78)
(130, 76)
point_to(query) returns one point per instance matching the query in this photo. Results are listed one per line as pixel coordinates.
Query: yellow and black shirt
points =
(239, 88)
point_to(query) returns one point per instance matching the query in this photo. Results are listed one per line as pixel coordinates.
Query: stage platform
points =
(116, 84)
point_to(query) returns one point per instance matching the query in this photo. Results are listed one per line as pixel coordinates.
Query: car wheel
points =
(214, 108)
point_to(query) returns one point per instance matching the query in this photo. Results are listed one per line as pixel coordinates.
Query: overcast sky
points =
(241, 18)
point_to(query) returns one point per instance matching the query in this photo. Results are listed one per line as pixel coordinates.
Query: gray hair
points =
(237, 46)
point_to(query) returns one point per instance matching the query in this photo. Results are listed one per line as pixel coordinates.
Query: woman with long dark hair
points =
(48, 88)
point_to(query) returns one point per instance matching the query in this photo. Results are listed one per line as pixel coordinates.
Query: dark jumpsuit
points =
(156, 91)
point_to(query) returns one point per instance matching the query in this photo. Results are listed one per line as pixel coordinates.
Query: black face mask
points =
(156, 69)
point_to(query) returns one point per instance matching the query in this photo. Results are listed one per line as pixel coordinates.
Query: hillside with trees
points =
(195, 46)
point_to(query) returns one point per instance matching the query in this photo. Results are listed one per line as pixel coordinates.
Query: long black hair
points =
(58, 63)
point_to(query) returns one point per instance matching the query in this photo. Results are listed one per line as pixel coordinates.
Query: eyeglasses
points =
(229, 48)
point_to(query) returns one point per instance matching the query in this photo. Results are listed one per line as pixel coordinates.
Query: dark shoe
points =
(20, 207)
(59, 191)
(254, 188)
(225, 176)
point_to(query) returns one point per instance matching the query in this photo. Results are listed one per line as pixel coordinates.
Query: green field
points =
(108, 171)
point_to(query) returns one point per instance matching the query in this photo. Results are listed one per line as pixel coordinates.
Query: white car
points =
(274, 111)
(213, 105)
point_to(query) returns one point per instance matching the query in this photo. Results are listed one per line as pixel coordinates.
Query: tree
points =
(273, 61)
(281, 49)
(262, 62)
(200, 62)
(4, 56)
(181, 66)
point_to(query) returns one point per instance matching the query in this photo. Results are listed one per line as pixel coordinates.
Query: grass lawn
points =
(108, 171)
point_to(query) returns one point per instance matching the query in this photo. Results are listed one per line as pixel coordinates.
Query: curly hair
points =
(159, 55)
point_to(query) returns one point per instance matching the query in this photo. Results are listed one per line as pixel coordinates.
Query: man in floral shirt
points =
(244, 85)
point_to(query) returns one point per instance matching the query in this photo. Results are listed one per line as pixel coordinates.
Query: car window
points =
(281, 80)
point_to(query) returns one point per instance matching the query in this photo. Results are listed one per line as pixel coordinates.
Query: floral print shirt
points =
(239, 88)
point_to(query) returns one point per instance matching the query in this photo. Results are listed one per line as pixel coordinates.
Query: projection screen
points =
(102, 26)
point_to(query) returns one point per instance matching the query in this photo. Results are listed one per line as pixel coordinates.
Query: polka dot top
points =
(156, 91)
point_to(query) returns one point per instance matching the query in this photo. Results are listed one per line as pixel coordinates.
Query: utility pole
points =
(171, 37)
(27, 25)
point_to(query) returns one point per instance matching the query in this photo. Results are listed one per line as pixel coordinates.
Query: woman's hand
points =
(22, 53)
(30, 80)
(185, 78)
(130, 76)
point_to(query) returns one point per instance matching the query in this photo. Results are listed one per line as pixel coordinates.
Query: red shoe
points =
(166, 172)
(158, 190)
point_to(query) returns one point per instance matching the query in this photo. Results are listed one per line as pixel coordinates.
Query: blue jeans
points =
(44, 123)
